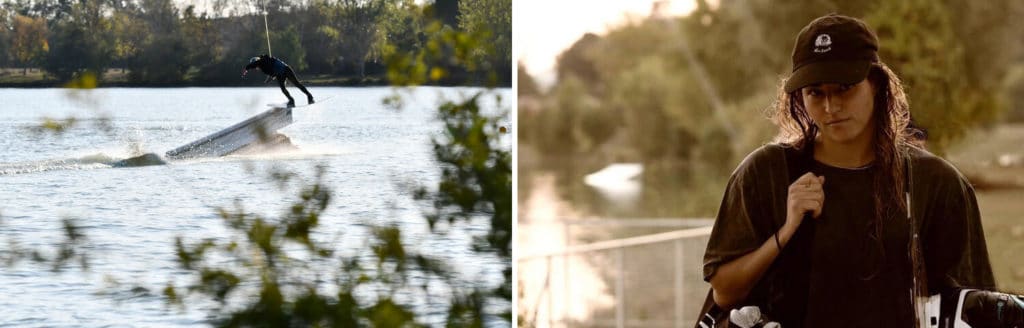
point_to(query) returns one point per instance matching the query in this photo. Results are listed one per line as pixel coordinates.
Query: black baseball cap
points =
(832, 49)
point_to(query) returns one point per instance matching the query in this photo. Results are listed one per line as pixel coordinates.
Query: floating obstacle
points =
(223, 142)
(146, 159)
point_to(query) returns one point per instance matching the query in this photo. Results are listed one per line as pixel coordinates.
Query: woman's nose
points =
(832, 104)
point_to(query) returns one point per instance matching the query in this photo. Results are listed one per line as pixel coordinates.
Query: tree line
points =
(162, 42)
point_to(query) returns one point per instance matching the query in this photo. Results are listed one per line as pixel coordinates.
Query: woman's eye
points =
(845, 87)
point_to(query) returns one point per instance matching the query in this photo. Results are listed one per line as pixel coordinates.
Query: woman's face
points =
(842, 112)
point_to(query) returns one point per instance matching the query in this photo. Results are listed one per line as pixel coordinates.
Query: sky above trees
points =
(538, 45)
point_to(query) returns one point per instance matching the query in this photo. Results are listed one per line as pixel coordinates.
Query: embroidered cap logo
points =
(823, 43)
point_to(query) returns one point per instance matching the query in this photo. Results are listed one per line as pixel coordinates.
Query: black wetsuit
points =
(280, 71)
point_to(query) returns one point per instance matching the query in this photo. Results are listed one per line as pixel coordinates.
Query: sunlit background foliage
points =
(635, 94)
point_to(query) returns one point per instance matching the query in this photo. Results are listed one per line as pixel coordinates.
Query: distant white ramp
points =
(228, 140)
(618, 182)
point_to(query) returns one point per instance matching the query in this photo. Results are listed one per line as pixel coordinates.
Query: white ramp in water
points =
(225, 141)
(619, 183)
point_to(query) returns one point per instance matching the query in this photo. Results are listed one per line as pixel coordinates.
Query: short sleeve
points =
(749, 212)
(954, 247)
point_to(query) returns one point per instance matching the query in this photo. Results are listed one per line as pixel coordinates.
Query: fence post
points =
(680, 298)
(565, 274)
(620, 290)
(551, 314)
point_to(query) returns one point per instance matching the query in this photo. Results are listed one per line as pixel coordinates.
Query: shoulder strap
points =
(798, 161)
(919, 289)
(788, 289)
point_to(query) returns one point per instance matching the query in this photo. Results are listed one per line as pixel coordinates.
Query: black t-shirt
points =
(845, 279)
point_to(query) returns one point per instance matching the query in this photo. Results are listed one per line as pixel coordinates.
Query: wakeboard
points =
(285, 105)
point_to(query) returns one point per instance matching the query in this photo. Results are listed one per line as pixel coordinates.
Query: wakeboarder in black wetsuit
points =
(280, 71)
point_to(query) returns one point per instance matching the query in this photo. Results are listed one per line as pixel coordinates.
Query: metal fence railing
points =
(653, 280)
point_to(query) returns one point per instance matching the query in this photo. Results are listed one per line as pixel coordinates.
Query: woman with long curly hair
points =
(844, 221)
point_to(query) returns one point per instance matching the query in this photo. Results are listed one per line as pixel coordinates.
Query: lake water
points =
(131, 215)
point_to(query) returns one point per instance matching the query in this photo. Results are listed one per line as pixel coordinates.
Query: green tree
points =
(129, 33)
(493, 19)
(203, 42)
(557, 121)
(358, 28)
(11, 8)
(320, 35)
(652, 99)
(79, 41)
(946, 97)
(164, 56)
(55, 10)
(579, 61)
(445, 11)
(5, 41)
(288, 45)
(28, 44)
(526, 86)
(1015, 88)
(233, 40)
(403, 26)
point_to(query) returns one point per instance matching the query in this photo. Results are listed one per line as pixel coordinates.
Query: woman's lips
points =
(834, 122)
